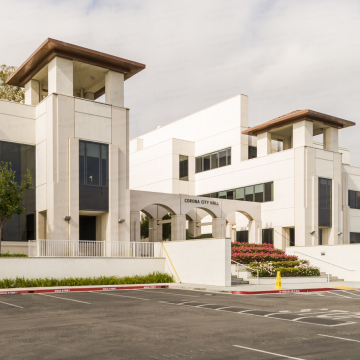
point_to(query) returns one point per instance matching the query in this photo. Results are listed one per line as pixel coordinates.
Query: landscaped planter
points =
(288, 280)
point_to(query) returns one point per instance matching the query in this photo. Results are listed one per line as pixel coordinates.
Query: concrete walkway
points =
(246, 287)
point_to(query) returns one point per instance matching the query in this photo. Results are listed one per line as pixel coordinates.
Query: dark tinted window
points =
(268, 187)
(252, 152)
(242, 236)
(354, 238)
(206, 162)
(354, 199)
(214, 160)
(249, 193)
(259, 193)
(183, 167)
(198, 164)
(268, 236)
(230, 194)
(292, 236)
(325, 202)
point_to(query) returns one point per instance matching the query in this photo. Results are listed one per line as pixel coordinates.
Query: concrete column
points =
(74, 226)
(114, 88)
(194, 229)
(287, 143)
(218, 228)
(60, 76)
(303, 133)
(89, 95)
(331, 139)
(32, 92)
(155, 230)
(255, 232)
(263, 144)
(135, 234)
(229, 230)
(178, 227)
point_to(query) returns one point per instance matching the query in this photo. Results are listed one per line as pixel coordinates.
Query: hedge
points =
(12, 255)
(154, 278)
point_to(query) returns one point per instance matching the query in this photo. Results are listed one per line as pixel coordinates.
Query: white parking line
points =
(348, 292)
(11, 304)
(335, 337)
(131, 297)
(268, 352)
(158, 291)
(334, 293)
(62, 298)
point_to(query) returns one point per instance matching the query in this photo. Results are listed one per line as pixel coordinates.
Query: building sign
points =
(202, 202)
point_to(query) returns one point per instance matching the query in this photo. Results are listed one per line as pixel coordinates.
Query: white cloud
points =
(285, 55)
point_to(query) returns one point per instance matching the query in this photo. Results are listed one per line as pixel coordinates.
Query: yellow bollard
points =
(278, 281)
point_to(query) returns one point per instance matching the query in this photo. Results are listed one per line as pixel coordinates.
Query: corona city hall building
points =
(268, 183)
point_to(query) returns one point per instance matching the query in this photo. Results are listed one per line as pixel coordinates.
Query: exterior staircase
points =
(238, 281)
(331, 277)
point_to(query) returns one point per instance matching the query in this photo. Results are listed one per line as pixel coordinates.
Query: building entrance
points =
(87, 227)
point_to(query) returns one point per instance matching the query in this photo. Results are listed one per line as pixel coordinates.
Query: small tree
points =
(144, 227)
(11, 194)
(9, 92)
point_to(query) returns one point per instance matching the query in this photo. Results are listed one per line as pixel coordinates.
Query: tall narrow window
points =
(92, 164)
(206, 162)
(240, 194)
(184, 167)
(325, 202)
(222, 158)
(228, 156)
(198, 164)
(214, 160)
(81, 163)
(268, 236)
(268, 187)
(104, 165)
(292, 236)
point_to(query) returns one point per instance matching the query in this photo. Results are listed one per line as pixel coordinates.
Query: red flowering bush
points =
(245, 253)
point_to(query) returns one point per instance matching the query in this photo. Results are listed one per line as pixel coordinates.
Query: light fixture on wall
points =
(67, 218)
(340, 233)
(121, 221)
(312, 232)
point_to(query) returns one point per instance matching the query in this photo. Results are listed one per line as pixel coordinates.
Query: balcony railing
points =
(84, 248)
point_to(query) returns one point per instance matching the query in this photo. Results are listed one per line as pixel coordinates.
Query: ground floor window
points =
(268, 236)
(292, 236)
(242, 236)
(354, 238)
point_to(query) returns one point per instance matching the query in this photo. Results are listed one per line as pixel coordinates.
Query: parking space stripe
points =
(62, 298)
(268, 352)
(348, 292)
(163, 292)
(131, 297)
(336, 337)
(348, 297)
(2, 302)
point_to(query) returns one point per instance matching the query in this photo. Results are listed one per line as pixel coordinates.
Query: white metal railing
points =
(246, 267)
(85, 248)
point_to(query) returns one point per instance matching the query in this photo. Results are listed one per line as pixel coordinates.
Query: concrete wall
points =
(338, 260)
(205, 261)
(78, 267)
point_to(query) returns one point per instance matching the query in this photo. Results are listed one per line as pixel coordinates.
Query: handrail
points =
(299, 252)
(246, 267)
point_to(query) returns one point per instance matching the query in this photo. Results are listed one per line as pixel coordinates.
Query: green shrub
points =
(154, 278)
(12, 255)
(291, 268)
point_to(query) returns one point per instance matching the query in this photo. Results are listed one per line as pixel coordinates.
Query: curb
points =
(74, 289)
(281, 291)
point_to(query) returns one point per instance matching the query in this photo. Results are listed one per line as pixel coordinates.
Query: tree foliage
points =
(166, 228)
(11, 194)
(144, 227)
(9, 92)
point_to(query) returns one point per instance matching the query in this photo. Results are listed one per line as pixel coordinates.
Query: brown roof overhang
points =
(297, 116)
(51, 48)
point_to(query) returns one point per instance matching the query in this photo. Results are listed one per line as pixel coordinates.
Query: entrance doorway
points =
(87, 227)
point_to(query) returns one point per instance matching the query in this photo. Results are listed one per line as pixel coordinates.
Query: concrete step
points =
(238, 281)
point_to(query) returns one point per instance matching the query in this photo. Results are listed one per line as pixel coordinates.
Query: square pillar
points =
(155, 230)
(60, 76)
(114, 88)
(218, 228)
(178, 227)
(331, 139)
(255, 232)
(194, 229)
(263, 144)
(303, 133)
(32, 92)
(135, 234)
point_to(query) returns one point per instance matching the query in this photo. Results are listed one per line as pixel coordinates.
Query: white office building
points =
(308, 191)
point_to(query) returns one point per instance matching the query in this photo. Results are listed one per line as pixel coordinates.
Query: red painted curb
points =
(69, 289)
(281, 291)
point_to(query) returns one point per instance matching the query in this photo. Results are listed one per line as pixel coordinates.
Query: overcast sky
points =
(285, 55)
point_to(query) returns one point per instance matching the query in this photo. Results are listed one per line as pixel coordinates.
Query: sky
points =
(285, 55)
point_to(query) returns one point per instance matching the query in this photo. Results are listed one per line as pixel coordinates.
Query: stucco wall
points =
(205, 261)
(337, 260)
(78, 267)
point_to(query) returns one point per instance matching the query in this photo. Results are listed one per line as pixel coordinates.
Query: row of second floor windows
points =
(213, 160)
(354, 199)
(256, 193)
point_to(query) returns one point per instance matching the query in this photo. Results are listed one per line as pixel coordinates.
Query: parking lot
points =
(180, 324)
